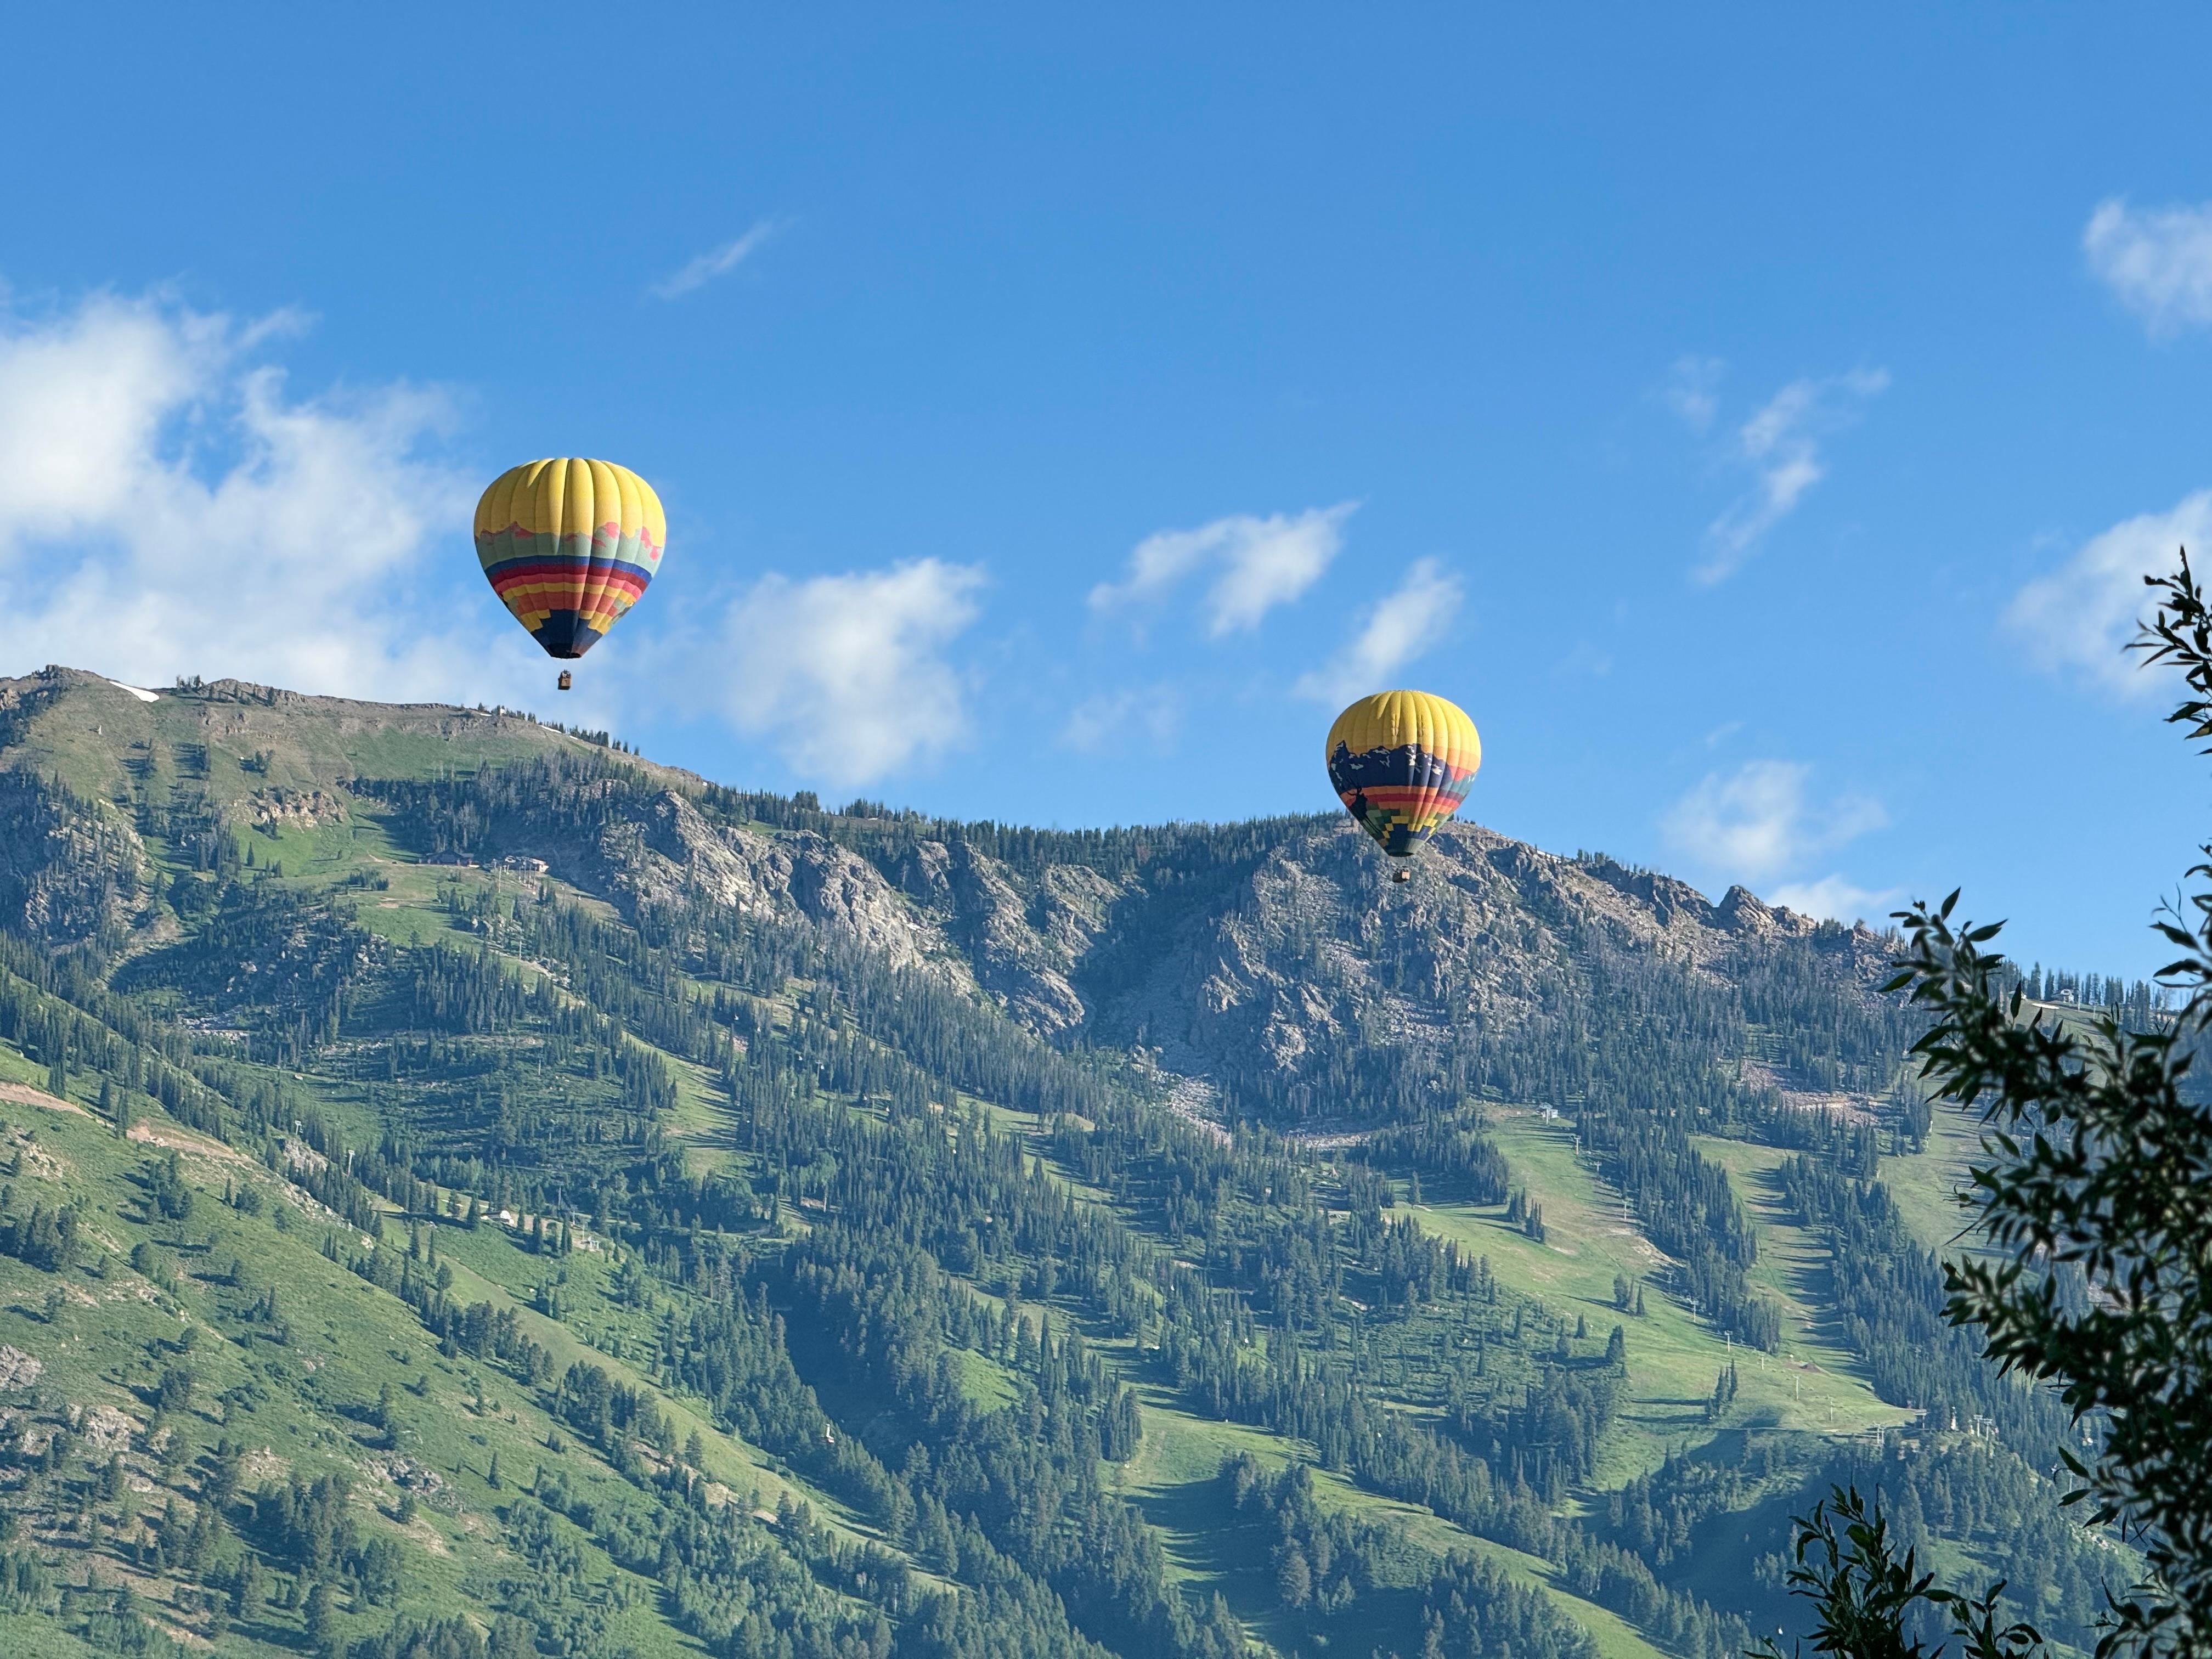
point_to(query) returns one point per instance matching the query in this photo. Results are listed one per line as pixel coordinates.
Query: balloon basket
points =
(1402, 875)
(565, 682)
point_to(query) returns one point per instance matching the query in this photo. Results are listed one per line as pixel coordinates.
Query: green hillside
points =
(469, 1189)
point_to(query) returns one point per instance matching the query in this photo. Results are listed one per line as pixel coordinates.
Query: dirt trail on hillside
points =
(24, 1095)
(168, 1136)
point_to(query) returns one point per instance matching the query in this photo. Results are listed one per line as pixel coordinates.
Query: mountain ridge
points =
(1230, 978)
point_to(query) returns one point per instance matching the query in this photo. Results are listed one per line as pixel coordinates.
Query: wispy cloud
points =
(1692, 391)
(715, 262)
(847, 676)
(1258, 563)
(187, 514)
(1112, 719)
(1760, 821)
(2082, 616)
(1780, 447)
(1837, 900)
(2157, 260)
(1404, 624)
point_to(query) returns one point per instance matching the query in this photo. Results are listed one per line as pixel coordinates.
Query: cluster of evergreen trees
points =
(1326, 1564)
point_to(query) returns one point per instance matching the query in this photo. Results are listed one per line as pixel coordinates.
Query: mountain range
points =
(472, 1188)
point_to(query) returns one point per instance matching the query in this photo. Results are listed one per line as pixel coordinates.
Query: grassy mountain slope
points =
(913, 1229)
(356, 1386)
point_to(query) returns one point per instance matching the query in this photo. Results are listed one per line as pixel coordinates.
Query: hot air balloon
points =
(1402, 761)
(568, 546)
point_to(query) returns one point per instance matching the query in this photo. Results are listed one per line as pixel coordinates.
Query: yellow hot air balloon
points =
(1402, 762)
(569, 545)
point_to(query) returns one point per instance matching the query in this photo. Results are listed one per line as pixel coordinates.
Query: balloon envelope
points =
(1402, 761)
(568, 546)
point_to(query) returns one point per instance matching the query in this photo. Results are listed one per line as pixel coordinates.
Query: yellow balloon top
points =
(570, 496)
(1400, 719)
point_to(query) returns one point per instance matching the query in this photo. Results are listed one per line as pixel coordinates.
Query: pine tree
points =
(322, 1634)
(249, 1588)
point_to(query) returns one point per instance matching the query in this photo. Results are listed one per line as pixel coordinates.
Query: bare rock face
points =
(306, 808)
(928, 904)
(1022, 945)
(847, 896)
(1312, 950)
(1302, 950)
(674, 851)
(18, 1370)
(1741, 912)
(923, 872)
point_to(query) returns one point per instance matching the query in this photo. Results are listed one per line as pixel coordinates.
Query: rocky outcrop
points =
(924, 904)
(1741, 913)
(673, 852)
(1025, 942)
(306, 809)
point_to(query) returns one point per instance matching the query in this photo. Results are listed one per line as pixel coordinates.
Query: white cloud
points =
(2158, 261)
(2082, 616)
(1100, 724)
(1759, 822)
(1162, 560)
(846, 675)
(1402, 626)
(1260, 563)
(1837, 900)
(1780, 446)
(1693, 391)
(187, 516)
(715, 262)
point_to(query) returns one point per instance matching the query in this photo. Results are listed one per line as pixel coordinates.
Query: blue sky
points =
(1759, 424)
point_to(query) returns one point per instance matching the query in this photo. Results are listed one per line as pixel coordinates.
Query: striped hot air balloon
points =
(569, 545)
(1402, 761)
